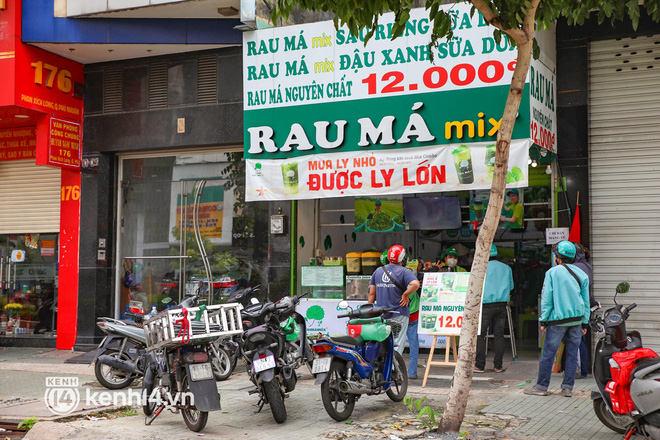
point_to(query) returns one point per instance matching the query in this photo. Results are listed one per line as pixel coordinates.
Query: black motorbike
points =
(273, 347)
(179, 375)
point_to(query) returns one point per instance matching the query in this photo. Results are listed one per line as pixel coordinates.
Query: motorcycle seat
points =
(348, 341)
(645, 363)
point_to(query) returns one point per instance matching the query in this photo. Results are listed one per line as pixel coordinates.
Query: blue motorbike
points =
(364, 362)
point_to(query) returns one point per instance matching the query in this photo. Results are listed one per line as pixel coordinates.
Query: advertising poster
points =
(327, 116)
(18, 143)
(512, 215)
(442, 302)
(378, 214)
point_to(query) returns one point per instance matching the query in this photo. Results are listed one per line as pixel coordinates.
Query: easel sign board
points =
(442, 303)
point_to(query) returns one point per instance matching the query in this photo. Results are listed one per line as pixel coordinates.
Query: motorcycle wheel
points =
(338, 405)
(223, 363)
(148, 407)
(275, 400)
(600, 408)
(398, 390)
(111, 378)
(195, 419)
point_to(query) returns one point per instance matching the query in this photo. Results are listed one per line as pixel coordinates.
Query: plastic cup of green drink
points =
(290, 177)
(489, 161)
(478, 207)
(463, 163)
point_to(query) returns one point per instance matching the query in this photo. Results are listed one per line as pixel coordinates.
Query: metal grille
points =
(207, 70)
(158, 84)
(624, 178)
(112, 90)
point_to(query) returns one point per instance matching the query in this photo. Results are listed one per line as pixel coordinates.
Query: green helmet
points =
(493, 250)
(378, 203)
(383, 258)
(565, 249)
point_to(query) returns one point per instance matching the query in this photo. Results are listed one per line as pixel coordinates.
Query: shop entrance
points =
(183, 231)
(28, 282)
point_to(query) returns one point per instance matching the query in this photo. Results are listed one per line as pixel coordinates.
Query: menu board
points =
(442, 302)
(322, 276)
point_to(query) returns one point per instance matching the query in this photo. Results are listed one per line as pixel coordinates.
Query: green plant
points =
(422, 408)
(28, 423)
(380, 222)
(13, 309)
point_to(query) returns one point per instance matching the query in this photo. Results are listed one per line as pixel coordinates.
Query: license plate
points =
(264, 363)
(321, 365)
(200, 372)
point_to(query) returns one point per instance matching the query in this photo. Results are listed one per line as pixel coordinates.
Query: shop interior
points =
(28, 281)
(430, 224)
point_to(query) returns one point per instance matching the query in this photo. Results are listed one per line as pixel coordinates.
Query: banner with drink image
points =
(453, 167)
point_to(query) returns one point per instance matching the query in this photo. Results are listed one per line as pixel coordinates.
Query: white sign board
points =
(555, 235)
(321, 317)
(442, 303)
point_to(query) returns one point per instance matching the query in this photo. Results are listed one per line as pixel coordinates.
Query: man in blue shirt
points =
(564, 312)
(498, 285)
(384, 291)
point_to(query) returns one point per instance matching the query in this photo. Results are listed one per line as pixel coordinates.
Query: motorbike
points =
(365, 362)
(120, 358)
(273, 346)
(179, 372)
(626, 397)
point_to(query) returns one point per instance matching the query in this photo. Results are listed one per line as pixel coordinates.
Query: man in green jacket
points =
(564, 311)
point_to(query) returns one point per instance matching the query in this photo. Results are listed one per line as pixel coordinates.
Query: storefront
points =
(377, 146)
(165, 212)
(40, 157)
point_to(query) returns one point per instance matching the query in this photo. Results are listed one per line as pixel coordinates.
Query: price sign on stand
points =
(442, 302)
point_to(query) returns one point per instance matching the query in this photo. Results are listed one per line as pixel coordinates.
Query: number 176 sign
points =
(442, 303)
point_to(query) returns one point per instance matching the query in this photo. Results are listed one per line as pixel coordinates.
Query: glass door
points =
(185, 229)
(28, 284)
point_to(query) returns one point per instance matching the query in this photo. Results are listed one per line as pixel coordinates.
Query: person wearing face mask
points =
(564, 315)
(450, 261)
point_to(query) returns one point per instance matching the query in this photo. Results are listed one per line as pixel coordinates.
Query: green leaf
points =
(418, 404)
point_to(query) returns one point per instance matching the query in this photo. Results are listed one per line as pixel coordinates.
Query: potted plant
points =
(13, 312)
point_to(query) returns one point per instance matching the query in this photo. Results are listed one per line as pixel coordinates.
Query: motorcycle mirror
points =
(622, 287)
(343, 304)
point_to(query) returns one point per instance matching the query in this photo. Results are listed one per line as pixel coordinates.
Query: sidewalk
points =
(497, 407)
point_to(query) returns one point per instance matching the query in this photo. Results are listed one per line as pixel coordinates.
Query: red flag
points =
(574, 235)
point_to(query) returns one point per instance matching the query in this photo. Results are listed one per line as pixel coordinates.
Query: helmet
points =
(493, 250)
(378, 203)
(383, 258)
(397, 254)
(565, 249)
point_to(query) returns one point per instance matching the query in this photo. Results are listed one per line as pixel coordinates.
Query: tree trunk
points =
(460, 385)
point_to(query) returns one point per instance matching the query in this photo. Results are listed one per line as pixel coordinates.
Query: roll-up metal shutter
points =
(29, 198)
(624, 176)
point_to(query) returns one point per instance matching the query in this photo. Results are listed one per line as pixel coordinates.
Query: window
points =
(93, 92)
(230, 78)
(182, 83)
(135, 88)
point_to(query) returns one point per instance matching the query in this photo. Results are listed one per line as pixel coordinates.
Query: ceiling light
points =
(534, 163)
(529, 161)
(22, 116)
(228, 11)
(548, 169)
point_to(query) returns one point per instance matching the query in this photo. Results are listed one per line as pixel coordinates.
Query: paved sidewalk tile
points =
(555, 417)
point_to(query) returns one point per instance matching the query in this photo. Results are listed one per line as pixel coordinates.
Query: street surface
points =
(497, 407)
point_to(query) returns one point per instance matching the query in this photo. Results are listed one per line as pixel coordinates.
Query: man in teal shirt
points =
(564, 314)
(497, 288)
